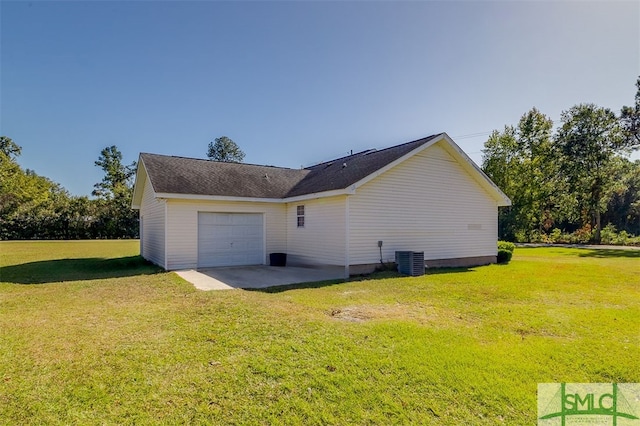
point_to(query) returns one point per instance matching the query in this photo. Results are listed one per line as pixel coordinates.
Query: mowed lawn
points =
(90, 334)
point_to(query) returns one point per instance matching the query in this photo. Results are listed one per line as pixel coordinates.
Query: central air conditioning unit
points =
(410, 262)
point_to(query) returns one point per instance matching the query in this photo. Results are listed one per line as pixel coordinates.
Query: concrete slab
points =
(202, 281)
(259, 276)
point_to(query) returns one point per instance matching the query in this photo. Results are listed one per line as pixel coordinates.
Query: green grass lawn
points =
(90, 334)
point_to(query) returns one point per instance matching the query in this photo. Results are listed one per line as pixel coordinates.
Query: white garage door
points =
(230, 239)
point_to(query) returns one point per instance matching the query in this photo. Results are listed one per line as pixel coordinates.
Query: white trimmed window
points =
(300, 215)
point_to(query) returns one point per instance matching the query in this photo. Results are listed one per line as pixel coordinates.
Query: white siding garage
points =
(230, 239)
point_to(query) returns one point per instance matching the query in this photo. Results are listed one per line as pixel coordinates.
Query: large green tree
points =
(116, 218)
(20, 189)
(117, 176)
(538, 170)
(520, 160)
(28, 202)
(9, 148)
(623, 209)
(575, 180)
(588, 140)
(499, 162)
(630, 121)
(34, 207)
(225, 150)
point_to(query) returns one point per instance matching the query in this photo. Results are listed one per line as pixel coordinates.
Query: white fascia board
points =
(199, 197)
(346, 191)
(138, 185)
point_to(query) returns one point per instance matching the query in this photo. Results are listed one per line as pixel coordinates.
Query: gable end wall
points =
(427, 203)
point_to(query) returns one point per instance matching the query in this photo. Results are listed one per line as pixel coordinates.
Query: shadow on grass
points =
(381, 275)
(607, 253)
(378, 276)
(438, 271)
(51, 271)
(299, 286)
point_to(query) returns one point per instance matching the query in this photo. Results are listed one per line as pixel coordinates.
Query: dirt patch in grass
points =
(396, 311)
(418, 312)
(353, 313)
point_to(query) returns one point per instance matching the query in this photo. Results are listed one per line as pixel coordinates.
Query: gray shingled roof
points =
(178, 175)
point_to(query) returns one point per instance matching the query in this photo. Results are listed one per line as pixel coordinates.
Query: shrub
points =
(555, 235)
(536, 237)
(505, 251)
(583, 235)
(506, 245)
(564, 238)
(504, 256)
(622, 239)
(608, 234)
(522, 237)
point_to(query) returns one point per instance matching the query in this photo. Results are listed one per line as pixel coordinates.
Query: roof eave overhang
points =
(350, 190)
(138, 185)
(203, 197)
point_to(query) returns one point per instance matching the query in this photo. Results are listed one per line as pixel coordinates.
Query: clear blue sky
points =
(296, 83)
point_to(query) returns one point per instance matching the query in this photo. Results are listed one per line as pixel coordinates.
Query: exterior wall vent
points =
(410, 262)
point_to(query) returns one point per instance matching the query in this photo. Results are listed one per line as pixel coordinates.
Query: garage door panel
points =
(222, 232)
(219, 244)
(246, 219)
(230, 239)
(246, 231)
(214, 219)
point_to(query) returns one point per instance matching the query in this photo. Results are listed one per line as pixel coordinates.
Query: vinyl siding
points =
(322, 239)
(427, 203)
(182, 228)
(152, 226)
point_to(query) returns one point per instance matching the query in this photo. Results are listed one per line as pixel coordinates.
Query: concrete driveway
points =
(259, 276)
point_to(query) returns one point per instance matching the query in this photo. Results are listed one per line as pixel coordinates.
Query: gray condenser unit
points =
(410, 262)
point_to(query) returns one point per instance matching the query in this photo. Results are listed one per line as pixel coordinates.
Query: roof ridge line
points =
(371, 150)
(218, 162)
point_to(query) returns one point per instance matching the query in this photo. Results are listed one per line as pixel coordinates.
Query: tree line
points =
(571, 184)
(34, 207)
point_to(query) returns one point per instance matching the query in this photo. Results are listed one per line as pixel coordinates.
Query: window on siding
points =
(300, 211)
